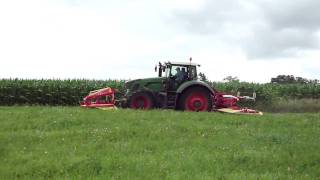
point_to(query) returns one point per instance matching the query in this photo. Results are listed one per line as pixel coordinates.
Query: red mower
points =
(101, 98)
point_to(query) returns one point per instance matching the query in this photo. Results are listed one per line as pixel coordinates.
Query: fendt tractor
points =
(176, 87)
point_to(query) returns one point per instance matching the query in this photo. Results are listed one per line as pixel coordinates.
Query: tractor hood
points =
(146, 82)
(154, 79)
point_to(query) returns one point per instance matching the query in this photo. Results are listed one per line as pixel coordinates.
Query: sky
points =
(125, 39)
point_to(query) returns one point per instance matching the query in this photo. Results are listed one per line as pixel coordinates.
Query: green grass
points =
(75, 143)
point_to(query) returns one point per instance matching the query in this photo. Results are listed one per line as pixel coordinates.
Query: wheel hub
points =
(197, 104)
(140, 103)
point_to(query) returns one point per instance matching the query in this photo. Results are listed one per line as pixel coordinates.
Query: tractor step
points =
(171, 100)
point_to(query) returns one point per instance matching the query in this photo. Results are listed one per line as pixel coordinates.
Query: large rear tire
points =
(141, 100)
(195, 99)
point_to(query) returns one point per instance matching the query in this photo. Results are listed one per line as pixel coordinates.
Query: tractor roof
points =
(183, 63)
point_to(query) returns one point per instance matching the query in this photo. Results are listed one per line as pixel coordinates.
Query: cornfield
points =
(70, 92)
(50, 92)
(297, 91)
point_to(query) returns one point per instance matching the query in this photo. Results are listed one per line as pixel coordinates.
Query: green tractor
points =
(176, 87)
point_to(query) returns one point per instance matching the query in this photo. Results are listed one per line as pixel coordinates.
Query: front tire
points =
(141, 100)
(196, 99)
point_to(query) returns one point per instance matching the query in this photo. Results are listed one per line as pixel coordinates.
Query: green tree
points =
(230, 79)
(203, 77)
(290, 79)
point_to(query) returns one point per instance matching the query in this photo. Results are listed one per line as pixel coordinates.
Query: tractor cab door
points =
(192, 73)
(176, 75)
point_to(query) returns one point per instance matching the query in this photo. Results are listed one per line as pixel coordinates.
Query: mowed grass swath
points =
(75, 143)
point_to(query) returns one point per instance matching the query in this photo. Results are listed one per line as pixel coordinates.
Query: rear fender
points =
(195, 83)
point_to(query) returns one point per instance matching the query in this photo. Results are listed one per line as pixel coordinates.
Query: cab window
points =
(175, 69)
(193, 72)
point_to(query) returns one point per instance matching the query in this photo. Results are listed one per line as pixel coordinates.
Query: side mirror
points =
(155, 68)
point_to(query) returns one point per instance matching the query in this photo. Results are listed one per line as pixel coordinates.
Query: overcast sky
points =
(99, 39)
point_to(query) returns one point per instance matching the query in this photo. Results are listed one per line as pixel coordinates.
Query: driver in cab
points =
(179, 75)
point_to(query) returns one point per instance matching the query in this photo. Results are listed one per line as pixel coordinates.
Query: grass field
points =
(75, 143)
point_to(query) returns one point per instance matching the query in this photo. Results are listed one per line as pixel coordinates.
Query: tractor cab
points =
(176, 73)
(172, 69)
